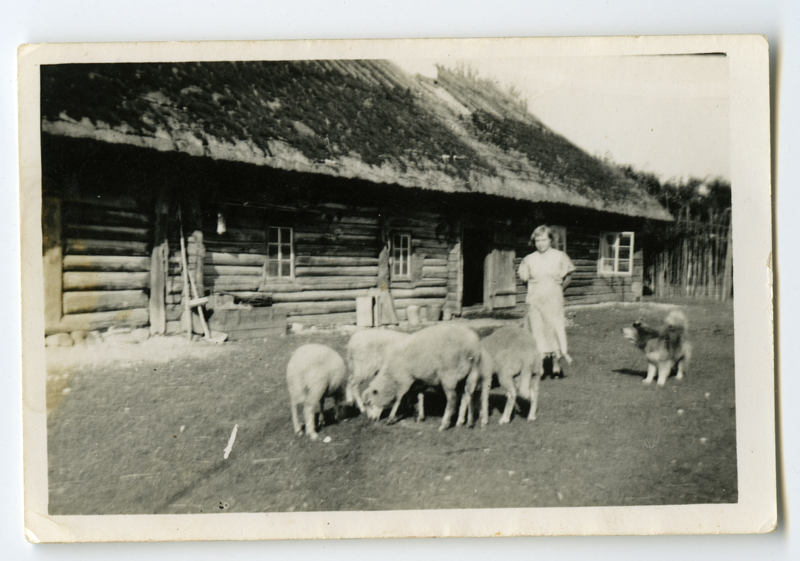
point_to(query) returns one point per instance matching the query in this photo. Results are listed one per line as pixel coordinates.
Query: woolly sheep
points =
(517, 362)
(366, 351)
(314, 372)
(443, 355)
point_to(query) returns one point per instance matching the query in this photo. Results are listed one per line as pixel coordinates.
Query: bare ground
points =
(143, 428)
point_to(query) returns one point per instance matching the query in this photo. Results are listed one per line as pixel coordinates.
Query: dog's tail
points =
(677, 319)
(675, 330)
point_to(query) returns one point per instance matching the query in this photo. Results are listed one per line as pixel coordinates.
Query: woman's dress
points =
(544, 273)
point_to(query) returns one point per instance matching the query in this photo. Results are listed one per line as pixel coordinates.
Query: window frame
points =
(615, 250)
(281, 258)
(393, 262)
(560, 234)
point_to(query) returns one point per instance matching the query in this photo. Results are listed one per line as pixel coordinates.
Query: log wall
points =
(587, 285)
(106, 264)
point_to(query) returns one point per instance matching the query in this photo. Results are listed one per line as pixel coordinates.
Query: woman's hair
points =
(542, 231)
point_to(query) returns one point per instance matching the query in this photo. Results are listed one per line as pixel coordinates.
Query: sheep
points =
(443, 354)
(514, 358)
(366, 351)
(314, 372)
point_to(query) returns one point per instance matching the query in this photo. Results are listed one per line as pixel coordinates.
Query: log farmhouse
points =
(308, 185)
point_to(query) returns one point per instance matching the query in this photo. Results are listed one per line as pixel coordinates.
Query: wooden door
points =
(500, 280)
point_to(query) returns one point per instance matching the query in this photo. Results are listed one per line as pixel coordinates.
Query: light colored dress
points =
(544, 273)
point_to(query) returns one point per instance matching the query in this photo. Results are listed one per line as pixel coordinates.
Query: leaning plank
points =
(100, 320)
(107, 263)
(103, 301)
(105, 281)
(106, 247)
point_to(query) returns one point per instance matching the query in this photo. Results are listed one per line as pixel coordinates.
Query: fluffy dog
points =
(664, 348)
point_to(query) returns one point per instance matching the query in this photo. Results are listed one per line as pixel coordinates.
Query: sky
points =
(666, 115)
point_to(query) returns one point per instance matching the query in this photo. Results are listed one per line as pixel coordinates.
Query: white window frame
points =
(559, 238)
(282, 258)
(404, 254)
(614, 259)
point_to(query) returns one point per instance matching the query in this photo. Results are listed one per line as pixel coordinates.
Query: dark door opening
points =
(475, 247)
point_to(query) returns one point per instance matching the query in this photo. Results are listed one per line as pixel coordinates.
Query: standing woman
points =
(548, 272)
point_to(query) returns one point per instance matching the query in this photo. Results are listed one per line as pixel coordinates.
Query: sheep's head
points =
(380, 393)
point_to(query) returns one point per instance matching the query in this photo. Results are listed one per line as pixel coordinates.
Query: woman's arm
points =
(524, 273)
(566, 281)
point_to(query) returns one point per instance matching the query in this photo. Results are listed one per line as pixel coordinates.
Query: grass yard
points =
(141, 429)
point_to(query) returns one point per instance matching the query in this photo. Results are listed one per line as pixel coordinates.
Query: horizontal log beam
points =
(238, 235)
(110, 263)
(101, 320)
(422, 292)
(421, 282)
(406, 302)
(76, 214)
(366, 271)
(95, 232)
(210, 271)
(345, 261)
(434, 272)
(344, 318)
(105, 281)
(119, 203)
(230, 247)
(230, 283)
(319, 295)
(105, 247)
(103, 301)
(315, 308)
(236, 259)
(332, 250)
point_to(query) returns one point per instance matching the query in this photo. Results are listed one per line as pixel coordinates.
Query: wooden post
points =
(198, 252)
(52, 255)
(159, 267)
(727, 279)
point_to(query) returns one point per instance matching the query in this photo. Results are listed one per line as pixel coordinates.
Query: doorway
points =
(476, 246)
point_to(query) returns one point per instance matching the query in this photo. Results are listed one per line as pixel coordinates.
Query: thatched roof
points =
(357, 119)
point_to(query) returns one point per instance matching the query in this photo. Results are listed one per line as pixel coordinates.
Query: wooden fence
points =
(691, 259)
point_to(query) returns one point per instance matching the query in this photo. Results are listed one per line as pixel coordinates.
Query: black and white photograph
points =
(451, 278)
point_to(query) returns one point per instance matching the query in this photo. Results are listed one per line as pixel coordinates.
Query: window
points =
(559, 238)
(280, 252)
(401, 256)
(616, 253)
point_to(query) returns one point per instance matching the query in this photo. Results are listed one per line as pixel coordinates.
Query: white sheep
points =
(517, 362)
(366, 351)
(443, 354)
(314, 372)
